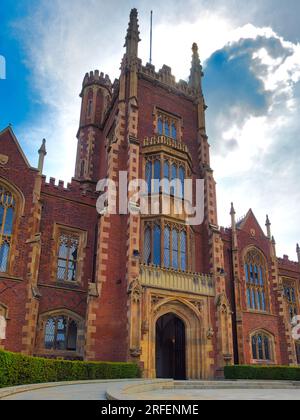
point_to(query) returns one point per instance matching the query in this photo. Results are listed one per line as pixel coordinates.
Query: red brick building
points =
(181, 300)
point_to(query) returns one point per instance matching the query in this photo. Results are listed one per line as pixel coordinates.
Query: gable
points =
(11, 153)
(250, 225)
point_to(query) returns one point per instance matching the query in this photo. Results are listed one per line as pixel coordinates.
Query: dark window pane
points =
(9, 221)
(174, 131)
(72, 336)
(261, 276)
(252, 299)
(254, 347)
(248, 297)
(182, 178)
(263, 299)
(251, 274)
(260, 347)
(156, 246)
(167, 128)
(63, 250)
(167, 247)
(160, 126)
(61, 269)
(1, 216)
(257, 300)
(61, 334)
(147, 246)
(149, 176)
(166, 177)
(175, 249)
(4, 254)
(156, 176)
(50, 334)
(183, 251)
(246, 273)
(267, 349)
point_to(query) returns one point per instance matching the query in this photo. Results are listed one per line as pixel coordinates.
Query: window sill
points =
(256, 312)
(263, 362)
(7, 276)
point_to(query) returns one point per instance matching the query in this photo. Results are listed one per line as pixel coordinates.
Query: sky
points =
(251, 57)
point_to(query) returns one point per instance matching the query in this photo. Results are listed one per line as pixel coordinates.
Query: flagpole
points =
(151, 26)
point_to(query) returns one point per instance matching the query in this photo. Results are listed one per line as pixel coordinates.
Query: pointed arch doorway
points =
(170, 347)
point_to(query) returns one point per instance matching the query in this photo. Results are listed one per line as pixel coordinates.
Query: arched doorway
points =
(170, 347)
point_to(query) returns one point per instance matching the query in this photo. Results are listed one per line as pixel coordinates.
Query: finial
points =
(273, 240)
(42, 153)
(298, 252)
(232, 211)
(196, 70)
(268, 226)
(133, 35)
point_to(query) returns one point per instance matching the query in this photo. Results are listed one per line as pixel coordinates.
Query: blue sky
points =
(251, 57)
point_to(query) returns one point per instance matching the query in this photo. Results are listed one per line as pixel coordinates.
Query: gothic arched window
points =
(262, 346)
(7, 213)
(167, 125)
(167, 235)
(171, 252)
(290, 296)
(61, 333)
(148, 176)
(256, 277)
(68, 257)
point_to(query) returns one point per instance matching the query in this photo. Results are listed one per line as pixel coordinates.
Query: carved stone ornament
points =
(4, 160)
(199, 305)
(210, 333)
(135, 352)
(135, 290)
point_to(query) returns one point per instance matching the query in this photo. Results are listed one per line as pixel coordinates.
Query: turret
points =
(96, 93)
(96, 96)
(42, 153)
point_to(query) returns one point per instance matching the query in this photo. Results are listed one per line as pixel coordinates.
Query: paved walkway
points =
(91, 392)
(221, 394)
(97, 392)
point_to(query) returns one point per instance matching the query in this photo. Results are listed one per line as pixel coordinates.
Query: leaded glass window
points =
(61, 333)
(147, 246)
(7, 212)
(261, 347)
(171, 252)
(167, 125)
(298, 352)
(67, 257)
(156, 176)
(149, 176)
(183, 251)
(156, 245)
(167, 234)
(290, 295)
(175, 249)
(255, 275)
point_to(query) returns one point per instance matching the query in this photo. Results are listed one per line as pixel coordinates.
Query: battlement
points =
(165, 77)
(60, 185)
(285, 261)
(95, 77)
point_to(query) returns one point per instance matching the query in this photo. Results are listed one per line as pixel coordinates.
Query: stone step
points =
(236, 385)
